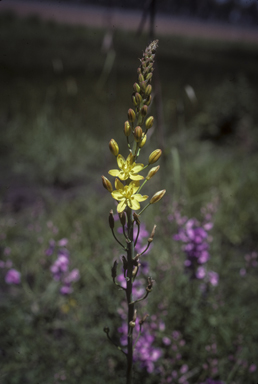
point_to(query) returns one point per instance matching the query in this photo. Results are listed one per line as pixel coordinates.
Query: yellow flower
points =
(128, 168)
(127, 195)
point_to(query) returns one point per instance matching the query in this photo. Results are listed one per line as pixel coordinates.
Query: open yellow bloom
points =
(127, 195)
(128, 168)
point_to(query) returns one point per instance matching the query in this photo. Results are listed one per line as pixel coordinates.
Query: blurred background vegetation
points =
(58, 112)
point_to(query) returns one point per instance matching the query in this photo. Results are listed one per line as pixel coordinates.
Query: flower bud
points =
(154, 156)
(106, 184)
(144, 110)
(148, 101)
(122, 218)
(127, 128)
(140, 78)
(136, 218)
(152, 172)
(148, 90)
(150, 239)
(143, 85)
(139, 71)
(113, 146)
(149, 76)
(132, 324)
(143, 140)
(137, 133)
(134, 100)
(138, 98)
(157, 196)
(111, 219)
(149, 122)
(106, 330)
(131, 115)
(136, 87)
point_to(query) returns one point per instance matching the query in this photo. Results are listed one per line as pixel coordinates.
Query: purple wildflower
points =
(13, 277)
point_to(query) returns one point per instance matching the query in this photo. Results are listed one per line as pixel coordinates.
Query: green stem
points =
(117, 239)
(130, 256)
(137, 301)
(145, 181)
(144, 209)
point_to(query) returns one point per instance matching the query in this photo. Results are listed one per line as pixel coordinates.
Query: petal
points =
(130, 158)
(123, 176)
(121, 206)
(137, 168)
(117, 195)
(139, 197)
(133, 204)
(120, 161)
(136, 177)
(118, 184)
(114, 172)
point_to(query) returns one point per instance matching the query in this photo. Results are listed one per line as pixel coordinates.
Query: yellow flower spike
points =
(106, 184)
(128, 168)
(154, 156)
(127, 196)
(113, 146)
(152, 172)
(157, 196)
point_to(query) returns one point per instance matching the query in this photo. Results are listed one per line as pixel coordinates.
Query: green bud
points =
(113, 146)
(106, 184)
(144, 110)
(148, 90)
(149, 122)
(148, 101)
(143, 85)
(136, 87)
(138, 98)
(152, 172)
(134, 100)
(143, 140)
(157, 196)
(140, 78)
(149, 76)
(127, 128)
(111, 219)
(137, 133)
(154, 156)
(131, 115)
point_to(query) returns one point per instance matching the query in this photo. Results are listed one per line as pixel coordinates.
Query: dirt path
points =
(128, 20)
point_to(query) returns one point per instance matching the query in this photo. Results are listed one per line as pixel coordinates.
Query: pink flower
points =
(252, 368)
(13, 277)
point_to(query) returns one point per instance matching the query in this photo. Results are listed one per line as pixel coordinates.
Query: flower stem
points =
(130, 256)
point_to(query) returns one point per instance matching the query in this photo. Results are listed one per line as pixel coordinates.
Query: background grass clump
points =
(56, 118)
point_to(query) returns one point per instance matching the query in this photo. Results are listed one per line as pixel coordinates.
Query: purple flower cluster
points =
(60, 268)
(12, 276)
(196, 240)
